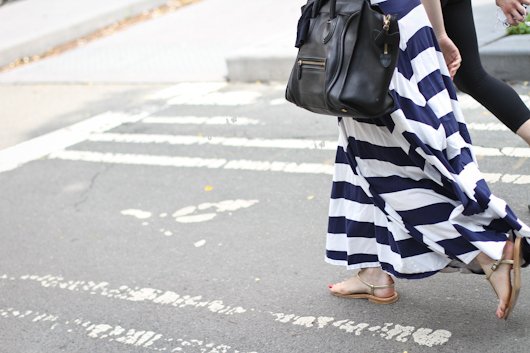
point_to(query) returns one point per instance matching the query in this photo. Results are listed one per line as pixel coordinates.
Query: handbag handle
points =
(332, 8)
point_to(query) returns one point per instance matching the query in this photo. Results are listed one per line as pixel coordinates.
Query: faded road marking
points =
(231, 98)
(137, 213)
(487, 127)
(215, 140)
(195, 120)
(137, 338)
(189, 214)
(13, 157)
(468, 102)
(389, 331)
(203, 212)
(189, 89)
(506, 178)
(136, 294)
(188, 162)
(261, 166)
(187, 140)
(400, 333)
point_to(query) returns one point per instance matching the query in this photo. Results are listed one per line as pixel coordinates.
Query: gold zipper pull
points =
(386, 23)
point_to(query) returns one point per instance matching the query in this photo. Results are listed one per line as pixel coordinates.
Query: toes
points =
(501, 310)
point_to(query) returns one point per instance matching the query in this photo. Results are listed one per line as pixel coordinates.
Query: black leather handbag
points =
(347, 56)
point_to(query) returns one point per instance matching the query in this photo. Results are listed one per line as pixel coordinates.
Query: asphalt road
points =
(194, 221)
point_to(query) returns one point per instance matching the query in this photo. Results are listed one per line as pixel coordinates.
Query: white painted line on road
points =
(188, 162)
(205, 93)
(487, 127)
(517, 152)
(230, 98)
(215, 140)
(278, 101)
(200, 243)
(189, 214)
(506, 178)
(401, 333)
(262, 166)
(13, 157)
(188, 140)
(137, 213)
(196, 214)
(468, 102)
(134, 338)
(522, 152)
(190, 89)
(196, 120)
(136, 294)
(389, 331)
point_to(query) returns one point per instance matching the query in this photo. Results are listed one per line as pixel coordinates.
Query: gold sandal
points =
(370, 296)
(516, 283)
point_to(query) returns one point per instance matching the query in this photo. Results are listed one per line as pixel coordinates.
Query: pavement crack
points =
(84, 197)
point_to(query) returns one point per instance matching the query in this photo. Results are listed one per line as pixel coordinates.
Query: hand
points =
(513, 10)
(451, 54)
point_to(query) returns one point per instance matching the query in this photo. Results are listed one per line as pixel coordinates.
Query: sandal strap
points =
(373, 287)
(496, 264)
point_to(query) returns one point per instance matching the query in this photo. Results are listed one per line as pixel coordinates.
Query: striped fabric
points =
(407, 194)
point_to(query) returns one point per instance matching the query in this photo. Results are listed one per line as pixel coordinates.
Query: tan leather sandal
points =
(371, 296)
(516, 283)
(516, 279)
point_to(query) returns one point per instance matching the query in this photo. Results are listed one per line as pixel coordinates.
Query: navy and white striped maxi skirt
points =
(407, 194)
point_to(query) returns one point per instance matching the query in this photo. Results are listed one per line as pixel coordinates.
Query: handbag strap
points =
(317, 5)
(332, 8)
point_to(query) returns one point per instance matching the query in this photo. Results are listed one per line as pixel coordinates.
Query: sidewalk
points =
(30, 27)
(211, 40)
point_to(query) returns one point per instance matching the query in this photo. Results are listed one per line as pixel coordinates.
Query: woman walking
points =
(407, 195)
(496, 96)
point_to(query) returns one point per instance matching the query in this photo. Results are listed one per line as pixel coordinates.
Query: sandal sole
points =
(371, 298)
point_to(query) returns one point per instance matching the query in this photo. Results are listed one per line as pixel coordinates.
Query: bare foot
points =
(500, 278)
(374, 276)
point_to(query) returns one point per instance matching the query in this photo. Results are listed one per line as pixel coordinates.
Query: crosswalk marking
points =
(468, 102)
(232, 98)
(421, 336)
(12, 157)
(269, 143)
(189, 162)
(197, 120)
(263, 166)
(235, 120)
(145, 339)
(487, 127)
(214, 140)
(189, 89)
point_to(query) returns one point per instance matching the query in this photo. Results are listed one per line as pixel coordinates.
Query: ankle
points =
(376, 275)
(484, 260)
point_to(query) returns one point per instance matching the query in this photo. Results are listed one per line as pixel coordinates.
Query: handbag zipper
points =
(313, 63)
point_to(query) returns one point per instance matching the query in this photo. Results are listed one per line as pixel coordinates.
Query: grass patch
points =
(521, 28)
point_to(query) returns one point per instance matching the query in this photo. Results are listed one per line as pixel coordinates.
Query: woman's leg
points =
(495, 95)
(500, 278)
(524, 131)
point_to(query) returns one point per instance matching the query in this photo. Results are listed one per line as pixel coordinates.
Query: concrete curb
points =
(60, 31)
(507, 59)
